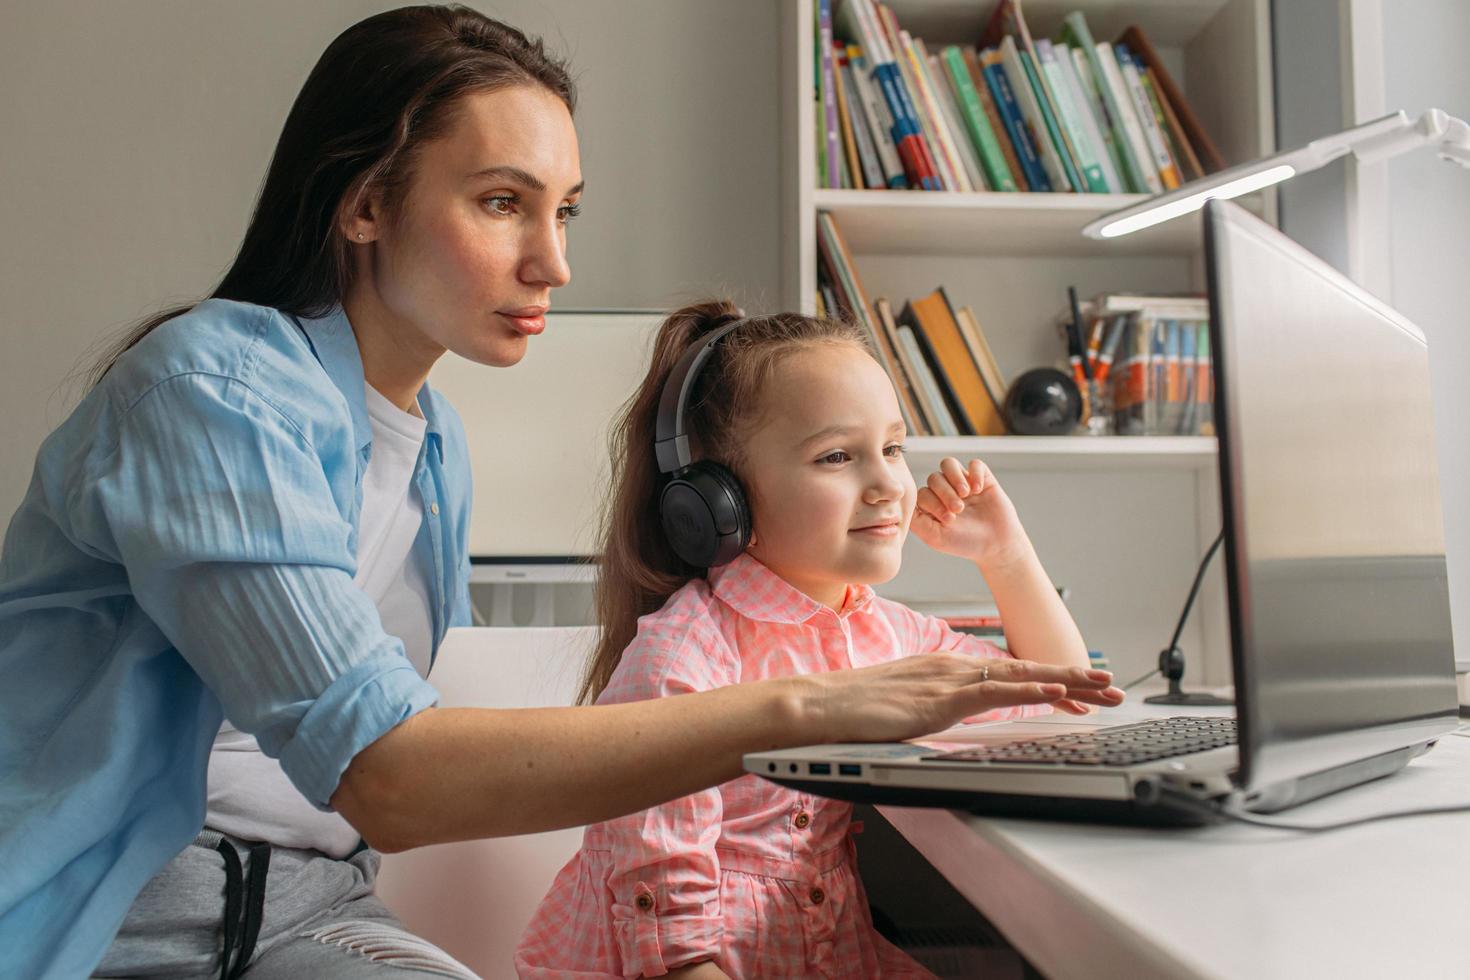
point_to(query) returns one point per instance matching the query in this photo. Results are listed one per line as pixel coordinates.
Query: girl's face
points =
(831, 495)
(468, 258)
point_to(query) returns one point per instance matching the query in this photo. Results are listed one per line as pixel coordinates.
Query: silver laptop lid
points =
(1339, 609)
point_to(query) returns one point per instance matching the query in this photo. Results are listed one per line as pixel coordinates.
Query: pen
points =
(1110, 347)
(1081, 370)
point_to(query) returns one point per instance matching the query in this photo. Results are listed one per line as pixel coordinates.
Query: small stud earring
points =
(359, 236)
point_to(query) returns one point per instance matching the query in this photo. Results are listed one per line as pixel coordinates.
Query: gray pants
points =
(320, 920)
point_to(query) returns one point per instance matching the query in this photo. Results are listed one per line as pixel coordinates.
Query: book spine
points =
(1129, 166)
(942, 140)
(852, 173)
(1152, 135)
(949, 102)
(933, 399)
(1112, 164)
(870, 168)
(829, 95)
(1054, 135)
(928, 121)
(1179, 148)
(1090, 170)
(1204, 383)
(992, 116)
(880, 121)
(1035, 126)
(906, 135)
(1015, 123)
(1132, 128)
(992, 160)
(1086, 107)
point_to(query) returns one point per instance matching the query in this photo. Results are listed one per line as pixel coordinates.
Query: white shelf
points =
(1070, 452)
(993, 223)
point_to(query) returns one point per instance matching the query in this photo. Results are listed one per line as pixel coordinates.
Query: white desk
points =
(1389, 899)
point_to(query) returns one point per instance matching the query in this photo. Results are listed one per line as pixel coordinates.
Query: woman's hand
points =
(928, 693)
(962, 511)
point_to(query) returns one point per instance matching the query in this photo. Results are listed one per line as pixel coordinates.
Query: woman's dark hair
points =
(639, 571)
(382, 89)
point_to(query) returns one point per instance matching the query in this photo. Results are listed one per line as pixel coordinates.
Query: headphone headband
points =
(671, 444)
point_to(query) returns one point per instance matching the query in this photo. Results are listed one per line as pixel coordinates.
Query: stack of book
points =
(946, 377)
(1009, 113)
(1150, 356)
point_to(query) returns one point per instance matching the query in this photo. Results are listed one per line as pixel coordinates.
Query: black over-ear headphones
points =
(702, 507)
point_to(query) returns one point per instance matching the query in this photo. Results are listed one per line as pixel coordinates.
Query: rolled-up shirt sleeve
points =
(665, 875)
(238, 551)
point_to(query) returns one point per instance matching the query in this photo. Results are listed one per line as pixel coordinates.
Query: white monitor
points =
(537, 434)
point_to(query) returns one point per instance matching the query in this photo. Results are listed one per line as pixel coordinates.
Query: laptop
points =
(1335, 569)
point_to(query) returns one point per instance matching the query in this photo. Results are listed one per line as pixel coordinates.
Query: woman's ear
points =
(364, 223)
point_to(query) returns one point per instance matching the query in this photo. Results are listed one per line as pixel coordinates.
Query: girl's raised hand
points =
(963, 511)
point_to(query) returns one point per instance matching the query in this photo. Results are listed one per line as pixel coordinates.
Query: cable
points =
(1199, 577)
(1227, 812)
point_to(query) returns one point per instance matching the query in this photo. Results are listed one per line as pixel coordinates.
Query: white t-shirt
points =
(249, 795)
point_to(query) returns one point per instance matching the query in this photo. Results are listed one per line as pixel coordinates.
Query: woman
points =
(259, 514)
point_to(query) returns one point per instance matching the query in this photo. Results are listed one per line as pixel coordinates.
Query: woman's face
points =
(467, 260)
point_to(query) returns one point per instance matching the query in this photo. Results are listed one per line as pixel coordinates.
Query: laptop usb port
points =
(820, 768)
(849, 769)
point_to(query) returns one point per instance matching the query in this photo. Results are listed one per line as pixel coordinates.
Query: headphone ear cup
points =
(704, 515)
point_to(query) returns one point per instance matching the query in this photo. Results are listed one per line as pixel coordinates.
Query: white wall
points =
(1424, 66)
(135, 137)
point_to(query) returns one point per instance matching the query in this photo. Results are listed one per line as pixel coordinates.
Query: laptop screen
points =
(1339, 606)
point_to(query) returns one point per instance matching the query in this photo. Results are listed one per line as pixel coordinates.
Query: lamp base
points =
(1191, 698)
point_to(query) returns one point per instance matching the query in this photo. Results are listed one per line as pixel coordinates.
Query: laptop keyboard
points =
(1125, 745)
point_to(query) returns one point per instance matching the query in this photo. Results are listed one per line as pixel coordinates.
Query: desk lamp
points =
(1377, 140)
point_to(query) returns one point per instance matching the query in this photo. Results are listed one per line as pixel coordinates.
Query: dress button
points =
(802, 819)
(645, 902)
(434, 509)
(818, 896)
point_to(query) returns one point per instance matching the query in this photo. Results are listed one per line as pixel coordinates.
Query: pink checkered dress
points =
(759, 877)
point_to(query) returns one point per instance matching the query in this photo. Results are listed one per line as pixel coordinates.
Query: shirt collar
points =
(335, 346)
(756, 592)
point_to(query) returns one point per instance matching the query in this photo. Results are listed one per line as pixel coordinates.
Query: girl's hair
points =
(381, 90)
(639, 571)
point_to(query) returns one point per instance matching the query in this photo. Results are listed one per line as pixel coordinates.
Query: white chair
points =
(474, 898)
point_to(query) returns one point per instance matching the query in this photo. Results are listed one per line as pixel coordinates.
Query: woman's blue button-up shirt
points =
(185, 552)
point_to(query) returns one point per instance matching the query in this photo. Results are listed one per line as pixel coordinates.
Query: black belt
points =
(244, 905)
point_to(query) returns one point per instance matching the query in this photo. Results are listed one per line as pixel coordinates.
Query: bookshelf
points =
(1120, 521)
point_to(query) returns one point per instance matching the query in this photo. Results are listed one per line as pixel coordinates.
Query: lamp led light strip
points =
(1373, 141)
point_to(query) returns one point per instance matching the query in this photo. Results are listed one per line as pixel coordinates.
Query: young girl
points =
(750, 879)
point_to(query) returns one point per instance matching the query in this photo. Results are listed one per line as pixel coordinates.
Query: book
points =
(1070, 118)
(1116, 174)
(934, 404)
(1153, 136)
(1085, 100)
(1076, 32)
(926, 111)
(1173, 95)
(990, 372)
(936, 80)
(858, 22)
(1015, 124)
(1204, 386)
(853, 171)
(830, 137)
(850, 104)
(903, 378)
(933, 320)
(1188, 160)
(997, 171)
(1112, 79)
(992, 115)
(879, 120)
(1024, 91)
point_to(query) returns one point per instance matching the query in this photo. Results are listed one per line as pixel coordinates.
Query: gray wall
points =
(136, 136)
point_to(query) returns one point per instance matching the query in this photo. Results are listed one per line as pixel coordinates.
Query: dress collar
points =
(756, 592)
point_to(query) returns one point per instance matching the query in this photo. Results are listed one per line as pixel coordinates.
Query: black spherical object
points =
(1043, 402)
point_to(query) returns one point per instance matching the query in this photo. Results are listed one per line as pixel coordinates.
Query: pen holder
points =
(1097, 410)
